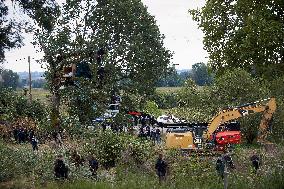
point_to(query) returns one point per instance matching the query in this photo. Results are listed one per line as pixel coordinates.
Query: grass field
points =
(43, 94)
(168, 89)
(38, 93)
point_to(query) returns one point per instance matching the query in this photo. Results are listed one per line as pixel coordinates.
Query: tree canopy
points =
(134, 55)
(10, 79)
(42, 12)
(244, 34)
(200, 74)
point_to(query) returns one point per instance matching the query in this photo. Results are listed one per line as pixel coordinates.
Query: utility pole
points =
(30, 79)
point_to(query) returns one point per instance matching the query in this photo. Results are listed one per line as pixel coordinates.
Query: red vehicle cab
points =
(228, 137)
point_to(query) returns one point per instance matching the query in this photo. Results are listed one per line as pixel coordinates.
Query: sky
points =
(182, 36)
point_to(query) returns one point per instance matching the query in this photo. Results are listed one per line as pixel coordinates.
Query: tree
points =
(10, 79)
(38, 83)
(132, 46)
(42, 12)
(244, 34)
(201, 75)
(170, 79)
(152, 108)
(234, 88)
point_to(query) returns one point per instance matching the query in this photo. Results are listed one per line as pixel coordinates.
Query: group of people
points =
(61, 170)
(22, 135)
(153, 134)
(226, 160)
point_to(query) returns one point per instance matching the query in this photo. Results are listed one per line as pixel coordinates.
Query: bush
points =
(12, 163)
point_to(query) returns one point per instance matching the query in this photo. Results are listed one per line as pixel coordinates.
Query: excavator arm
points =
(234, 113)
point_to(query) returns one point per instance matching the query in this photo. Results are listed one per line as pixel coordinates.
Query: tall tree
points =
(170, 79)
(245, 34)
(201, 75)
(10, 79)
(134, 59)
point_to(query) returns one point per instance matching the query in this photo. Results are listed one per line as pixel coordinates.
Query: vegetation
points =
(120, 69)
(244, 34)
(134, 167)
(199, 73)
(43, 13)
(118, 50)
(9, 79)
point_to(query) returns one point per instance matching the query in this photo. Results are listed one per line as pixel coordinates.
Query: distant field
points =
(168, 89)
(40, 94)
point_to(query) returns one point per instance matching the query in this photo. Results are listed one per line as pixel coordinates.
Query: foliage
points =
(11, 166)
(42, 12)
(10, 79)
(200, 74)
(39, 83)
(135, 167)
(172, 78)
(164, 100)
(111, 148)
(244, 34)
(129, 65)
(107, 147)
(233, 88)
(151, 108)
(14, 106)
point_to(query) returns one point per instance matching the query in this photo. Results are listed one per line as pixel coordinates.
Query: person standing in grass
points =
(161, 168)
(60, 169)
(255, 160)
(158, 136)
(34, 142)
(94, 165)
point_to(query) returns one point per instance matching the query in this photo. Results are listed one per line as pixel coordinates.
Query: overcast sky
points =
(182, 36)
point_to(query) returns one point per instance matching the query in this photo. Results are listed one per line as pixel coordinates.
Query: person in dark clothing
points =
(153, 134)
(104, 126)
(34, 143)
(60, 169)
(25, 135)
(31, 135)
(143, 121)
(148, 131)
(77, 158)
(141, 132)
(255, 160)
(161, 168)
(220, 167)
(16, 134)
(228, 159)
(158, 136)
(152, 120)
(21, 135)
(94, 165)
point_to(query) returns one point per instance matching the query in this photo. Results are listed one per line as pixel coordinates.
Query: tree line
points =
(199, 73)
(10, 79)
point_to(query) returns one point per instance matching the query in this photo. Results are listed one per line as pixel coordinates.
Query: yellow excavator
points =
(209, 135)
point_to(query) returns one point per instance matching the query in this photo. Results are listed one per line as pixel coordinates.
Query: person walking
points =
(94, 165)
(34, 142)
(220, 167)
(161, 168)
(255, 160)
